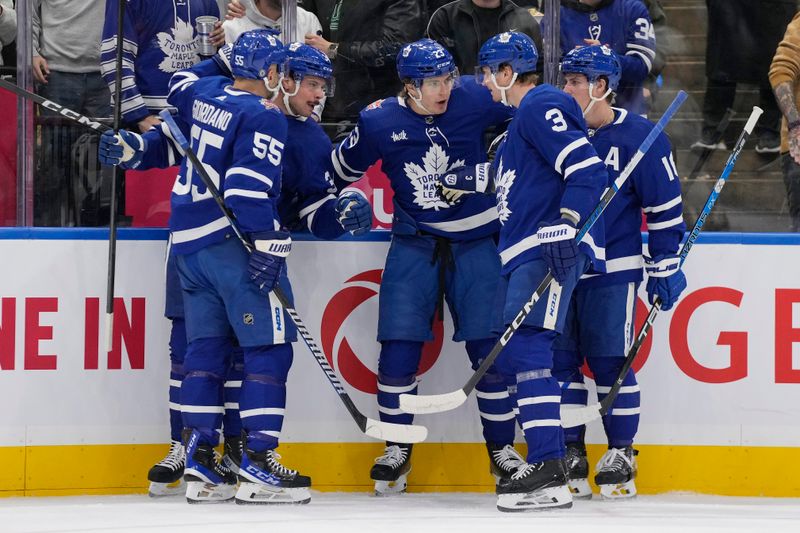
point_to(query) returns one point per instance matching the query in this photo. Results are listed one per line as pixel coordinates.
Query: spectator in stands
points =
(363, 40)
(463, 26)
(741, 42)
(626, 28)
(784, 76)
(159, 39)
(244, 15)
(66, 67)
(8, 24)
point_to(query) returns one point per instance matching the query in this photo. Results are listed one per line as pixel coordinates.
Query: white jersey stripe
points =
(187, 235)
(244, 171)
(568, 149)
(665, 224)
(625, 412)
(663, 207)
(202, 409)
(264, 411)
(246, 194)
(541, 423)
(492, 395)
(465, 224)
(628, 389)
(536, 400)
(583, 164)
(497, 418)
(396, 389)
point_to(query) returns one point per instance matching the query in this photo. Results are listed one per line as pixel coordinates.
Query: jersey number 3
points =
(555, 116)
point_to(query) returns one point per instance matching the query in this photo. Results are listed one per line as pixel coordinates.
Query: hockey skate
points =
(266, 481)
(503, 461)
(578, 471)
(391, 469)
(234, 449)
(616, 472)
(166, 476)
(535, 487)
(207, 480)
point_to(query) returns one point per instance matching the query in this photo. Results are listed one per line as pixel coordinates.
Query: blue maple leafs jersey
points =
(416, 149)
(653, 186)
(623, 25)
(159, 39)
(546, 164)
(240, 137)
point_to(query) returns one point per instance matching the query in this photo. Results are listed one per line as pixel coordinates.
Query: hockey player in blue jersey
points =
(625, 27)
(547, 179)
(438, 251)
(600, 322)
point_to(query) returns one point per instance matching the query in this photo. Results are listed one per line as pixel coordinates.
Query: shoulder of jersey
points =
(380, 106)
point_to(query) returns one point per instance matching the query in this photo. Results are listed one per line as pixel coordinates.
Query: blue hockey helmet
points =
(253, 53)
(424, 59)
(593, 62)
(304, 60)
(512, 48)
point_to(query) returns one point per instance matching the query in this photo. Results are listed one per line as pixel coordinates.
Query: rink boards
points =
(720, 381)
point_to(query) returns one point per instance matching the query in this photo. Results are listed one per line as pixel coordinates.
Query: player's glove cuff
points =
(560, 230)
(277, 243)
(662, 266)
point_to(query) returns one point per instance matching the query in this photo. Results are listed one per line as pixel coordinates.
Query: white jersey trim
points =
(568, 149)
(536, 400)
(663, 207)
(188, 235)
(264, 411)
(465, 224)
(583, 164)
(666, 224)
(244, 171)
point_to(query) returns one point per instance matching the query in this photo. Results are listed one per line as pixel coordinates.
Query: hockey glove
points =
(558, 247)
(124, 149)
(665, 280)
(464, 180)
(268, 260)
(354, 212)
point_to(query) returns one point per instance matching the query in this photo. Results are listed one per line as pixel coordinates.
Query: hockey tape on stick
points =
(437, 403)
(582, 415)
(376, 429)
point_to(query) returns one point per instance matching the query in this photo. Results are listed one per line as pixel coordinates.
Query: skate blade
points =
(161, 490)
(548, 499)
(580, 489)
(618, 491)
(390, 488)
(258, 493)
(202, 492)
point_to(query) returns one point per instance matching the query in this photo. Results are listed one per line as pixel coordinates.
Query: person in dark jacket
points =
(462, 26)
(362, 39)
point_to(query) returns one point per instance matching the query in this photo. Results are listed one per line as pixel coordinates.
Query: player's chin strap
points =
(286, 95)
(505, 89)
(418, 101)
(593, 100)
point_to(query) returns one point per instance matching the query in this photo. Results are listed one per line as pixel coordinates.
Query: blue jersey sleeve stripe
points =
(594, 160)
(176, 147)
(663, 207)
(562, 155)
(465, 224)
(245, 193)
(191, 234)
(644, 49)
(181, 80)
(665, 224)
(246, 172)
(309, 209)
(646, 59)
(338, 161)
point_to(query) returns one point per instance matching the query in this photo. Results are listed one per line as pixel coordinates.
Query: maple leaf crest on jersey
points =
(268, 104)
(503, 182)
(435, 163)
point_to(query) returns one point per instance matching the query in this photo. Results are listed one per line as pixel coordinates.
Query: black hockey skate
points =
(503, 460)
(208, 480)
(535, 487)
(166, 476)
(234, 449)
(578, 471)
(390, 471)
(616, 472)
(264, 480)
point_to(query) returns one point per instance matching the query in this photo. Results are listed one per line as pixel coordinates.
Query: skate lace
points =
(393, 456)
(272, 461)
(614, 459)
(507, 458)
(175, 456)
(525, 470)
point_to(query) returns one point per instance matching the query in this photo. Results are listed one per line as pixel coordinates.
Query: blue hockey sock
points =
(201, 390)
(177, 353)
(231, 422)
(567, 370)
(262, 402)
(539, 399)
(622, 420)
(397, 374)
(494, 404)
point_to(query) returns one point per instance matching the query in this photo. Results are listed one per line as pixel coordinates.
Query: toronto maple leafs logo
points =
(435, 163)
(179, 46)
(595, 31)
(503, 181)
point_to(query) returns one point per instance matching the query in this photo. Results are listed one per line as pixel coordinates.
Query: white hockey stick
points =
(571, 417)
(376, 429)
(438, 403)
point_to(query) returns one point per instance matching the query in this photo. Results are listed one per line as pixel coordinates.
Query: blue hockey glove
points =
(124, 149)
(464, 180)
(665, 279)
(268, 260)
(558, 247)
(354, 212)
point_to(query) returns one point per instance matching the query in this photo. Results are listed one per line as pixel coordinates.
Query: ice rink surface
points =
(409, 513)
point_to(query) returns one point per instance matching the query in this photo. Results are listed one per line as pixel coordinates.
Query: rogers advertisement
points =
(721, 368)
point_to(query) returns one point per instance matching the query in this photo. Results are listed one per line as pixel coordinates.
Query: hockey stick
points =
(374, 428)
(437, 403)
(582, 415)
(117, 177)
(717, 137)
